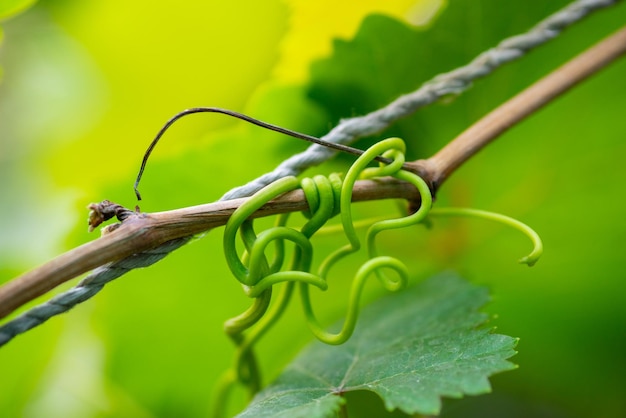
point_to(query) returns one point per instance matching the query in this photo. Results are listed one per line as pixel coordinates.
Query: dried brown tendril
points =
(105, 210)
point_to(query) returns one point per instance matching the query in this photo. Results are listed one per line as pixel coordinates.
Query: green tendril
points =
(239, 217)
(358, 283)
(415, 218)
(360, 170)
(530, 259)
(327, 197)
(390, 148)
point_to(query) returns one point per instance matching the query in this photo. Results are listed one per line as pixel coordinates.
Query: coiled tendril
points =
(326, 197)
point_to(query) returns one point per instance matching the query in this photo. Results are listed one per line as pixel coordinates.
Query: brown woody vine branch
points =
(138, 232)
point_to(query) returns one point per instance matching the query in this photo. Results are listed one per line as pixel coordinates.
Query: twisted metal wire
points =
(453, 82)
(346, 132)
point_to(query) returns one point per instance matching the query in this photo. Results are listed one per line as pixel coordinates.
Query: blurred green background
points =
(87, 84)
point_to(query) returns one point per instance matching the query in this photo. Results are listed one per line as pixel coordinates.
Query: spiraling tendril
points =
(326, 197)
(530, 259)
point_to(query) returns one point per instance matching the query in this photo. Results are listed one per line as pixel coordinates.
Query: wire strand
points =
(347, 131)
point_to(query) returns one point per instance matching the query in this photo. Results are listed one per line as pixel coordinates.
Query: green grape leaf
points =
(410, 348)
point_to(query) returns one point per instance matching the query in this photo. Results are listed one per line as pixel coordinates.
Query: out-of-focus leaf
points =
(10, 8)
(312, 25)
(411, 349)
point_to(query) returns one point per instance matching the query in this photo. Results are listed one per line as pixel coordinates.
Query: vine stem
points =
(140, 232)
(477, 136)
